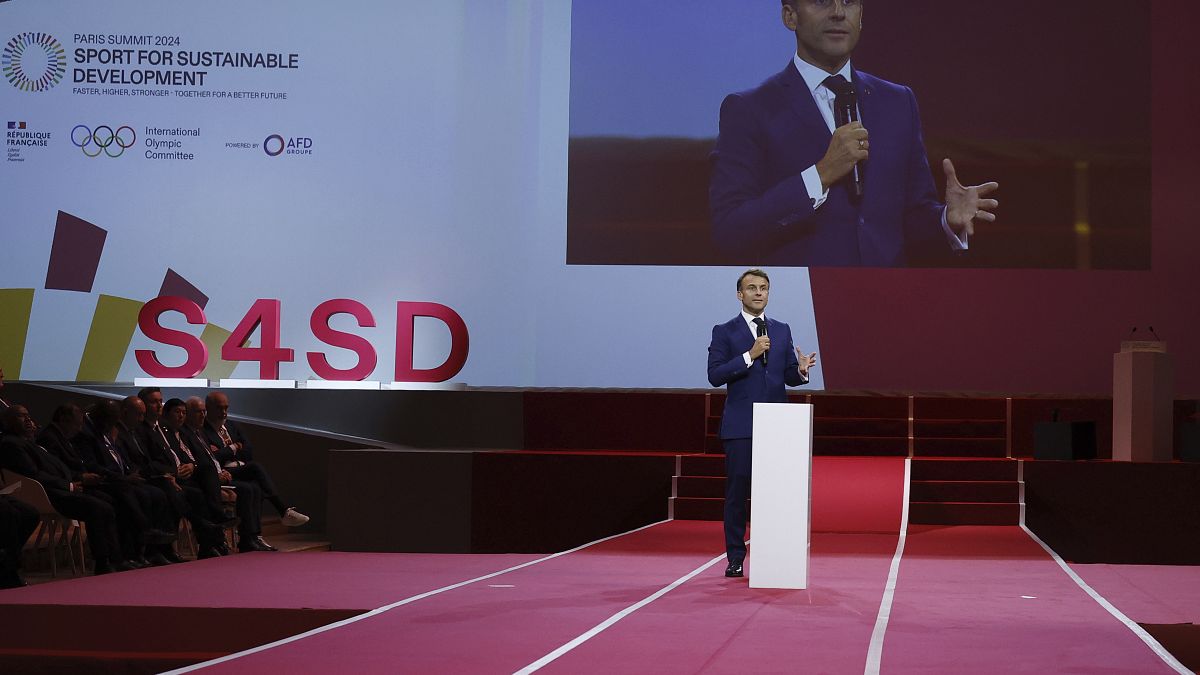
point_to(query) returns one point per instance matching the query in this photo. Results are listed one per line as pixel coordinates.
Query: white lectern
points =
(780, 495)
(1143, 395)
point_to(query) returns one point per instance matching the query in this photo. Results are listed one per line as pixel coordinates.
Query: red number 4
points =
(264, 314)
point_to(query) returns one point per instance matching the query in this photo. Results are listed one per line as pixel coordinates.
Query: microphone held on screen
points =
(845, 110)
(762, 330)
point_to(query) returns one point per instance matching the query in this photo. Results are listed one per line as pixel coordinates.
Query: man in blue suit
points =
(740, 357)
(780, 188)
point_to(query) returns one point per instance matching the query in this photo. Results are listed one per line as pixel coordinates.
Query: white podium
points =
(781, 495)
(1143, 396)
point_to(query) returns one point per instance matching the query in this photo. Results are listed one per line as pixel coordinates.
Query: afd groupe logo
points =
(103, 139)
(276, 145)
(33, 61)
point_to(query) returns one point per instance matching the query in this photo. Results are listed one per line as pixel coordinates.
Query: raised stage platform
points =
(965, 599)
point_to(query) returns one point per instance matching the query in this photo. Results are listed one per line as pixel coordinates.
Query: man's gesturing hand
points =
(806, 362)
(964, 205)
(848, 146)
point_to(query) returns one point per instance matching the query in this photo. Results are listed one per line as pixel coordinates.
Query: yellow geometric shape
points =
(108, 339)
(218, 369)
(16, 304)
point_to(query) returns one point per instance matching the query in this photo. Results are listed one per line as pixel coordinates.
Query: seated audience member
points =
(18, 520)
(20, 454)
(85, 444)
(160, 432)
(232, 449)
(184, 501)
(249, 495)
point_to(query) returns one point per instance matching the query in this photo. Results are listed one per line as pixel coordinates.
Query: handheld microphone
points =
(845, 110)
(762, 330)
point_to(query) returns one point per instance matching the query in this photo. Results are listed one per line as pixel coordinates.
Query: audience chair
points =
(55, 530)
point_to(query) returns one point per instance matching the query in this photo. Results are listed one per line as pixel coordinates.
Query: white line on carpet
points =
(406, 601)
(875, 652)
(1132, 625)
(600, 627)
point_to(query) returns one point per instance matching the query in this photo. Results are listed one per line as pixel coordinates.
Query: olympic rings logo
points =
(103, 139)
(12, 61)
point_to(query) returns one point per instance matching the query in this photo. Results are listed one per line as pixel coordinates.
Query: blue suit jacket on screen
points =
(761, 210)
(756, 384)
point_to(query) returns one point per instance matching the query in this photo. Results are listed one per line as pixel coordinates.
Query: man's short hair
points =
(145, 393)
(172, 404)
(127, 403)
(753, 273)
(105, 415)
(66, 411)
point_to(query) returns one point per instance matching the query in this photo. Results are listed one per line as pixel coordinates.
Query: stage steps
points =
(698, 488)
(929, 429)
(963, 491)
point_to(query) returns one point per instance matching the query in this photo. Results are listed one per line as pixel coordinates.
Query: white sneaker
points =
(294, 518)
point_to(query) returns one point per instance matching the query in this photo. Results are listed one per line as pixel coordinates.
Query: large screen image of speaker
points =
(1050, 100)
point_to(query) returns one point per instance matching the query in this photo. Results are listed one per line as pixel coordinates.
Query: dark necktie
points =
(167, 444)
(113, 451)
(839, 86)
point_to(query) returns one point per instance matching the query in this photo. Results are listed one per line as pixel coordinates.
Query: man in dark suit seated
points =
(738, 359)
(20, 454)
(85, 445)
(184, 501)
(232, 449)
(200, 480)
(18, 520)
(249, 495)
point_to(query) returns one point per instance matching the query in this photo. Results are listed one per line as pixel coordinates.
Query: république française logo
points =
(33, 61)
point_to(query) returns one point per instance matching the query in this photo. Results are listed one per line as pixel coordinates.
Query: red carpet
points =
(718, 625)
(857, 494)
(990, 600)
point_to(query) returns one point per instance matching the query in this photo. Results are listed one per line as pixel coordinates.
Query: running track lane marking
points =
(598, 628)
(1132, 625)
(875, 652)
(381, 610)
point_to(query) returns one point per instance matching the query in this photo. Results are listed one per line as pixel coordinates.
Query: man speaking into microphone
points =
(825, 165)
(752, 356)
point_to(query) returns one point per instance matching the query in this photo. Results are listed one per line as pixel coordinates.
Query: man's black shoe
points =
(170, 555)
(734, 569)
(208, 553)
(263, 545)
